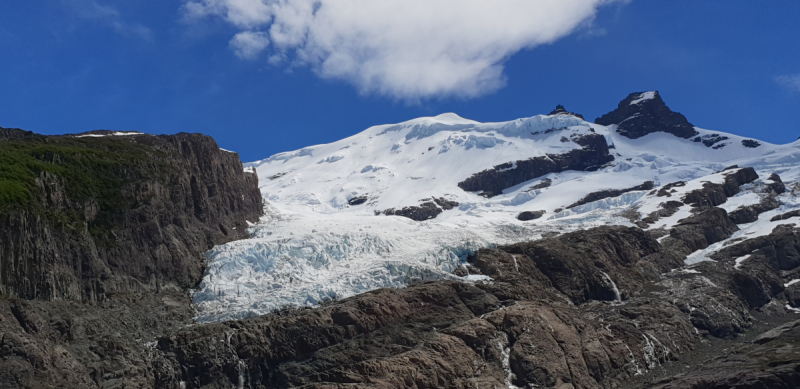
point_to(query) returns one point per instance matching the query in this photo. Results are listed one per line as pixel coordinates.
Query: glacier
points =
(312, 245)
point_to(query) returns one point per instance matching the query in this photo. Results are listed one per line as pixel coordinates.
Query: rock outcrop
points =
(715, 194)
(530, 215)
(604, 194)
(491, 182)
(427, 209)
(644, 113)
(560, 110)
(749, 213)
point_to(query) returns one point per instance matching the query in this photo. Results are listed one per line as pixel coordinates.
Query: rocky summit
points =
(637, 251)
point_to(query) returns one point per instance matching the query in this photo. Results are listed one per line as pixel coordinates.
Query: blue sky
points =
(159, 67)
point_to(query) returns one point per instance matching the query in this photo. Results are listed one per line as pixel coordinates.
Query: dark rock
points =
(779, 251)
(715, 194)
(564, 261)
(560, 110)
(792, 293)
(771, 361)
(665, 209)
(428, 209)
(592, 156)
(276, 176)
(667, 190)
(712, 139)
(446, 334)
(604, 194)
(646, 117)
(786, 215)
(66, 344)
(545, 183)
(776, 186)
(705, 228)
(357, 200)
(751, 143)
(530, 215)
(17, 134)
(445, 204)
(749, 213)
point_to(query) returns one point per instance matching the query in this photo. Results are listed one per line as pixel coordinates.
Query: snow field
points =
(312, 245)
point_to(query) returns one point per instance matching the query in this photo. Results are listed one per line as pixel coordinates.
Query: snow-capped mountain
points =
(410, 201)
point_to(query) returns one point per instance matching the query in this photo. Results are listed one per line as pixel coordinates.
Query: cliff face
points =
(87, 217)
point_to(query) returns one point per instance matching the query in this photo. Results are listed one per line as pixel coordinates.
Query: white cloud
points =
(107, 15)
(407, 49)
(248, 44)
(790, 81)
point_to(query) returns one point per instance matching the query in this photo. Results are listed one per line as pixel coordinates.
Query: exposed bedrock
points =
(491, 182)
(703, 229)
(530, 215)
(771, 257)
(604, 194)
(560, 110)
(776, 185)
(713, 194)
(770, 361)
(590, 309)
(118, 214)
(67, 344)
(749, 213)
(637, 116)
(427, 209)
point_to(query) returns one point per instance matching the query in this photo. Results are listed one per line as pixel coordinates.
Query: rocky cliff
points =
(86, 217)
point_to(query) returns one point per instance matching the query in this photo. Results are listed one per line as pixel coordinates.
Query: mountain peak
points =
(643, 113)
(560, 110)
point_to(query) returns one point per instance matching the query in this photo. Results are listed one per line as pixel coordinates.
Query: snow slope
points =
(312, 245)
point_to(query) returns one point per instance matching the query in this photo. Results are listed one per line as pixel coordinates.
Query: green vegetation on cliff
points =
(91, 168)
